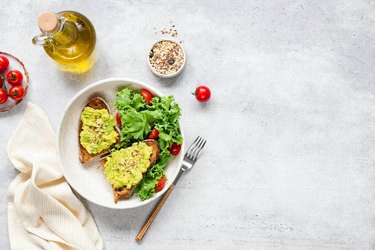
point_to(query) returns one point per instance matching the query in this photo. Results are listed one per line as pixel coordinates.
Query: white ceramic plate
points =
(89, 181)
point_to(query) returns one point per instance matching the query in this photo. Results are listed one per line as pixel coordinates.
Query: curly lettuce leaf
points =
(127, 99)
(134, 125)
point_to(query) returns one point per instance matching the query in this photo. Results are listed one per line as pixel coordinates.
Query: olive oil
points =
(69, 38)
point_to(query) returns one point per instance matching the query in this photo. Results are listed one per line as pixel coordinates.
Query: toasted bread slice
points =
(84, 156)
(125, 193)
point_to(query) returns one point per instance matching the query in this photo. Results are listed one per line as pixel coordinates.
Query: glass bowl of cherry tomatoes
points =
(14, 81)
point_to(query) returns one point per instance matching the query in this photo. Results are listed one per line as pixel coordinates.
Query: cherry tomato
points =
(175, 149)
(4, 63)
(17, 93)
(14, 77)
(3, 96)
(160, 185)
(154, 134)
(202, 93)
(118, 119)
(147, 95)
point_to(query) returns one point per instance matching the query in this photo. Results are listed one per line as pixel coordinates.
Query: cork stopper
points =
(48, 22)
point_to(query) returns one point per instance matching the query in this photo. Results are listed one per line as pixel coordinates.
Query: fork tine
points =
(199, 149)
(201, 140)
(199, 143)
(191, 148)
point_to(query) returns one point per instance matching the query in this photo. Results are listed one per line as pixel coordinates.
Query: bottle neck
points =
(64, 34)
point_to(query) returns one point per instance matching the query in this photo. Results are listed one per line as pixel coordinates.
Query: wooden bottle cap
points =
(48, 22)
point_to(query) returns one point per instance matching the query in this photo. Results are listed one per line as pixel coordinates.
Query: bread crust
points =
(125, 193)
(84, 156)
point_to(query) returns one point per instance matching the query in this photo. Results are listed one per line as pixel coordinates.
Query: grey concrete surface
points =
(290, 159)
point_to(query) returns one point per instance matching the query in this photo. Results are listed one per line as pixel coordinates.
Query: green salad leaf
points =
(138, 119)
(128, 98)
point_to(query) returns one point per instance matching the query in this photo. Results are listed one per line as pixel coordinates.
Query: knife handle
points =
(154, 213)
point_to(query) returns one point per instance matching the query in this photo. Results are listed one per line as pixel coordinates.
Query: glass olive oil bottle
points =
(69, 38)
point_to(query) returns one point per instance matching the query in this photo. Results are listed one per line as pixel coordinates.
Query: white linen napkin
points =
(43, 212)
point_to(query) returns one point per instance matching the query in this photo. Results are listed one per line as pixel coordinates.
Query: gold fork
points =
(188, 162)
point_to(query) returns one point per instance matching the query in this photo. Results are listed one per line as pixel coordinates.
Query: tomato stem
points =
(13, 76)
(15, 94)
(3, 81)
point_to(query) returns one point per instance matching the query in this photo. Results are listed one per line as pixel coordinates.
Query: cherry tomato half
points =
(3, 96)
(160, 185)
(14, 77)
(17, 93)
(154, 134)
(202, 93)
(4, 63)
(118, 119)
(175, 149)
(147, 95)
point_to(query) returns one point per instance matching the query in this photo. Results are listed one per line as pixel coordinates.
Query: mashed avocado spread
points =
(125, 168)
(98, 132)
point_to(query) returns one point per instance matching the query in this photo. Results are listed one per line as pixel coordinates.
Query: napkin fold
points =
(43, 212)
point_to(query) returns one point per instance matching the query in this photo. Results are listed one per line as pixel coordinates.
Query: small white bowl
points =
(170, 75)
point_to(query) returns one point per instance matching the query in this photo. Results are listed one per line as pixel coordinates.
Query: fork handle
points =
(154, 213)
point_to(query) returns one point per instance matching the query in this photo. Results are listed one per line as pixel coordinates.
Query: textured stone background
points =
(289, 162)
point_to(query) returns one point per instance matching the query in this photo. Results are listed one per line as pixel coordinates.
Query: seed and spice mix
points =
(166, 57)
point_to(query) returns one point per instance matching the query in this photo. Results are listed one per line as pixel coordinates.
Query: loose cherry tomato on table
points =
(14, 77)
(202, 93)
(3, 96)
(175, 149)
(160, 185)
(118, 119)
(154, 134)
(17, 93)
(147, 95)
(4, 63)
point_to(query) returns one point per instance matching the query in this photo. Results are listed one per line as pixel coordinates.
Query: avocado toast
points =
(97, 130)
(124, 169)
